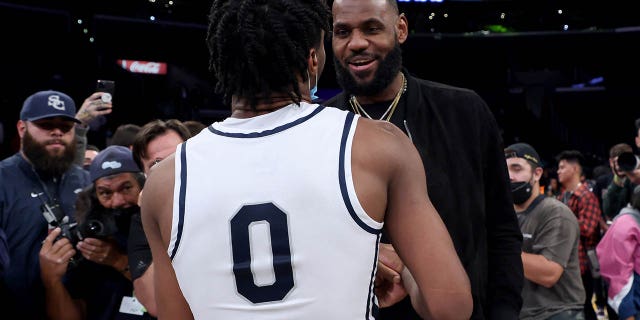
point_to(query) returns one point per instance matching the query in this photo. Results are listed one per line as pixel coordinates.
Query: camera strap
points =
(51, 209)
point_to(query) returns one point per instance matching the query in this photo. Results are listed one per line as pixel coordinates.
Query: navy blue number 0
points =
(280, 247)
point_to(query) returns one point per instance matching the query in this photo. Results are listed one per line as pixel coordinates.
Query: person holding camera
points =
(553, 286)
(99, 285)
(38, 185)
(618, 192)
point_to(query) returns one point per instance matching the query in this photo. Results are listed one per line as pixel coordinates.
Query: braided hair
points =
(259, 47)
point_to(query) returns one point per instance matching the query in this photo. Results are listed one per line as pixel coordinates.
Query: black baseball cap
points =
(524, 151)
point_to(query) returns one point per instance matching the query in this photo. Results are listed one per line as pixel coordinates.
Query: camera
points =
(627, 161)
(99, 223)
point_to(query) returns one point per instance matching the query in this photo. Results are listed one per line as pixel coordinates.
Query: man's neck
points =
(572, 185)
(387, 94)
(241, 108)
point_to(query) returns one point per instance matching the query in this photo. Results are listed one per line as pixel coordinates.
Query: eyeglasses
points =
(64, 126)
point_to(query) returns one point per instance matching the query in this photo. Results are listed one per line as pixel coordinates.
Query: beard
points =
(388, 68)
(47, 163)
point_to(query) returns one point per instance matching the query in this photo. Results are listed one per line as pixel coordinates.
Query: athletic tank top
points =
(266, 222)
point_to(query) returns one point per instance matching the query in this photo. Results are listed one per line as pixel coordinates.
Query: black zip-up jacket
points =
(462, 150)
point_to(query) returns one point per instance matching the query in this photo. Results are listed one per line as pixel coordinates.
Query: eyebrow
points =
(365, 22)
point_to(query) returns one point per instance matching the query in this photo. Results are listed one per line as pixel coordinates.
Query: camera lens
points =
(95, 227)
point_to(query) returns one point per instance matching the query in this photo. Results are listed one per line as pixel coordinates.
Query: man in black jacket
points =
(459, 142)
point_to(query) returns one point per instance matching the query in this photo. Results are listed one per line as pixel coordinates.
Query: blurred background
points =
(557, 74)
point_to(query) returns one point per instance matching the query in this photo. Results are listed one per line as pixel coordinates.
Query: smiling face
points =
(366, 44)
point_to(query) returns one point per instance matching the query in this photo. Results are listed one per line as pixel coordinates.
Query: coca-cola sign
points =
(148, 67)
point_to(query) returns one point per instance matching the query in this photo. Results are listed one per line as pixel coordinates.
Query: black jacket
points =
(460, 144)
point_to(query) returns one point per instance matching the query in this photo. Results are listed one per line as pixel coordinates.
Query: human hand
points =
(54, 257)
(100, 251)
(92, 107)
(388, 283)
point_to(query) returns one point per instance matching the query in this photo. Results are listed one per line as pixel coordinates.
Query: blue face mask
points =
(314, 89)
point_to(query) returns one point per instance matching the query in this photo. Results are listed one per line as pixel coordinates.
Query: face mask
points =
(314, 89)
(521, 192)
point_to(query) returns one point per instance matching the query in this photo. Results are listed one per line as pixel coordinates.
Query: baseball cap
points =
(48, 104)
(112, 160)
(523, 150)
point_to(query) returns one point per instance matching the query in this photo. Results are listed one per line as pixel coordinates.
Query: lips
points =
(361, 64)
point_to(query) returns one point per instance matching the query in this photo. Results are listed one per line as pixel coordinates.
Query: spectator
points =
(42, 172)
(125, 135)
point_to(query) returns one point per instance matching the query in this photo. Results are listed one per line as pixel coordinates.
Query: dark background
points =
(557, 81)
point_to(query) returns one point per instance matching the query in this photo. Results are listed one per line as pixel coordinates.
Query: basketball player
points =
(276, 212)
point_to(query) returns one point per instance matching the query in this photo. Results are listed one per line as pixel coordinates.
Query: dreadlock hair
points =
(258, 47)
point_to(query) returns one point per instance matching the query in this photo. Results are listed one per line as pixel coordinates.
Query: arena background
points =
(556, 74)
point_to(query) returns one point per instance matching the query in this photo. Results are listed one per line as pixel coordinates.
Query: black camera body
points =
(627, 162)
(99, 222)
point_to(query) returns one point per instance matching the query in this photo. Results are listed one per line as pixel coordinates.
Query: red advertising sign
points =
(148, 67)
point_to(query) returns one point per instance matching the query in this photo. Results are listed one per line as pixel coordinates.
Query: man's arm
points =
(540, 270)
(91, 108)
(54, 259)
(442, 289)
(504, 239)
(156, 219)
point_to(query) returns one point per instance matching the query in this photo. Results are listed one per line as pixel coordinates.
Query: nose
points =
(57, 132)
(358, 41)
(117, 201)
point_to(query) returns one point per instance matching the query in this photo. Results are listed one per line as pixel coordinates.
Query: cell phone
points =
(107, 86)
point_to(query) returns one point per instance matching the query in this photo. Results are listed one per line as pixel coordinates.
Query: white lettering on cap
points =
(55, 102)
(111, 165)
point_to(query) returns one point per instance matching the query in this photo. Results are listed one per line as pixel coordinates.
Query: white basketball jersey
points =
(266, 222)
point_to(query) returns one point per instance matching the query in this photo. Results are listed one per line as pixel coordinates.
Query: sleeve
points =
(616, 256)
(557, 237)
(4, 252)
(81, 144)
(588, 215)
(613, 200)
(506, 276)
(138, 248)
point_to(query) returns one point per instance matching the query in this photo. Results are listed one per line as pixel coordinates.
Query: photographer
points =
(626, 177)
(98, 286)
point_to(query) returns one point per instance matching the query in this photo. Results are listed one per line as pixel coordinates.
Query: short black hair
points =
(572, 156)
(124, 135)
(260, 47)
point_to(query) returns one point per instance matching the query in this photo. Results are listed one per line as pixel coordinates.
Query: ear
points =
(22, 128)
(537, 174)
(402, 28)
(312, 61)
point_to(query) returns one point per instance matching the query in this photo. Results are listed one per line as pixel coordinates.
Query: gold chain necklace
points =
(358, 109)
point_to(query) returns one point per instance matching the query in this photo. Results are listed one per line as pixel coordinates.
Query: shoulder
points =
(554, 209)
(390, 145)
(445, 92)
(338, 101)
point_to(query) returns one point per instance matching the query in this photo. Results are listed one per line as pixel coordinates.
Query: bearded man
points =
(41, 175)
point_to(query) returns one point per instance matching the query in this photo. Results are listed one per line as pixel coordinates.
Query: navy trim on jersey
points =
(267, 132)
(342, 179)
(371, 296)
(183, 192)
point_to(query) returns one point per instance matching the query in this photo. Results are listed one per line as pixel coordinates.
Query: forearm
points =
(123, 266)
(540, 270)
(440, 304)
(143, 287)
(60, 304)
